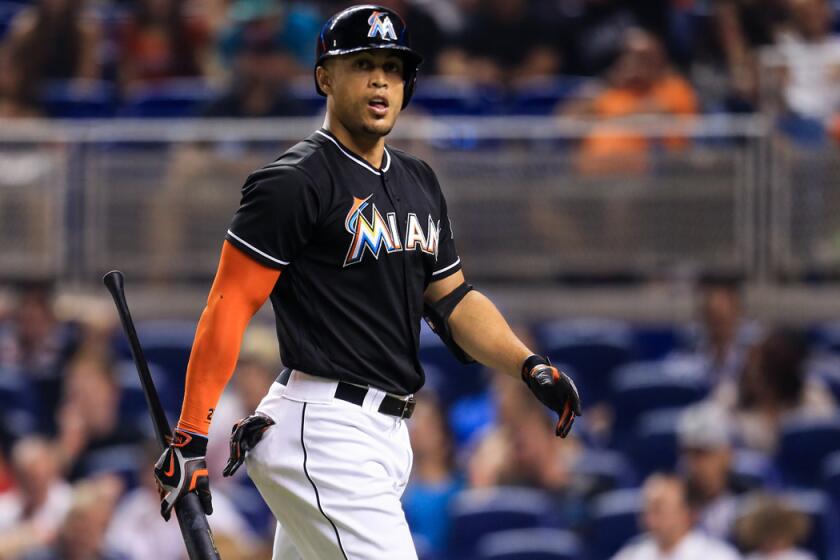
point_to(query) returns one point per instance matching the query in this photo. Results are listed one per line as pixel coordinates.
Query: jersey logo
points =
(380, 23)
(377, 233)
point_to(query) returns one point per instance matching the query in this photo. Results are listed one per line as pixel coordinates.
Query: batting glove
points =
(181, 469)
(554, 389)
(244, 436)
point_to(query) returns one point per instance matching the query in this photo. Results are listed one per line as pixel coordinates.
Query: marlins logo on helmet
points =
(380, 23)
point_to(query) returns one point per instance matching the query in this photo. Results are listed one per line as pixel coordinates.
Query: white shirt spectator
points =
(813, 67)
(47, 518)
(694, 546)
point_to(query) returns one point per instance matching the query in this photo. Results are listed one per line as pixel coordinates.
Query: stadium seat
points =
(531, 544)
(593, 347)
(443, 97)
(755, 469)
(77, 99)
(166, 345)
(804, 445)
(643, 387)
(475, 514)
(655, 342)
(541, 97)
(602, 470)
(449, 378)
(170, 99)
(831, 478)
(652, 446)
(824, 539)
(615, 520)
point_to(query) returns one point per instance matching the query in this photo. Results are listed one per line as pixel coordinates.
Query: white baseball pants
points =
(332, 473)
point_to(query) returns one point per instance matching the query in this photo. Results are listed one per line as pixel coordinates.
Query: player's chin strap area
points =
(437, 316)
(392, 405)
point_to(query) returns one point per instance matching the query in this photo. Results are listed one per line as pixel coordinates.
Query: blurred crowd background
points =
(681, 267)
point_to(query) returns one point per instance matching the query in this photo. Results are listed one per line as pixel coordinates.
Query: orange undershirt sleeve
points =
(239, 290)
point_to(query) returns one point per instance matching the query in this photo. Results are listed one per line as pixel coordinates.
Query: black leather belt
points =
(391, 405)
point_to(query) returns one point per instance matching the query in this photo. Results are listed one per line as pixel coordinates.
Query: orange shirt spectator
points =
(639, 83)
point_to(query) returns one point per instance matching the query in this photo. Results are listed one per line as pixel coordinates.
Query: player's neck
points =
(371, 148)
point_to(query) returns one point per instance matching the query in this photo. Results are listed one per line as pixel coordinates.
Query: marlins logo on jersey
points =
(377, 233)
(380, 23)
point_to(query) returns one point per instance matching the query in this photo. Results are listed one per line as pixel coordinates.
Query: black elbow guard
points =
(437, 316)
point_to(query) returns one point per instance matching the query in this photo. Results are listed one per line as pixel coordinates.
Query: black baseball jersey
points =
(357, 246)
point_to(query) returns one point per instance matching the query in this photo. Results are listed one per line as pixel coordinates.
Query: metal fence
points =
(530, 198)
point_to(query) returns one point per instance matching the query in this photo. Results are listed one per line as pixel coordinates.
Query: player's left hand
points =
(181, 469)
(245, 434)
(554, 389)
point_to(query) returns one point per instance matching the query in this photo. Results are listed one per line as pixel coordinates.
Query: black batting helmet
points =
(368, 27)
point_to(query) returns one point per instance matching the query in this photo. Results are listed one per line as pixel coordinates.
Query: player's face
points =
(366, 91)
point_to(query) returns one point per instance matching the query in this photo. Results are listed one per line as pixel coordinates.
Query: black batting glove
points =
(554, 389)
(181, 469)
(244, 436)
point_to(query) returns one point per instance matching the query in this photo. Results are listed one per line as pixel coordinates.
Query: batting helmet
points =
(364, 28)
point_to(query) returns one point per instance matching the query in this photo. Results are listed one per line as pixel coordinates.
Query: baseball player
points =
(351, 241)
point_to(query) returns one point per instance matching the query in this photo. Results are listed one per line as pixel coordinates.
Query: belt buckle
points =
(408, 407)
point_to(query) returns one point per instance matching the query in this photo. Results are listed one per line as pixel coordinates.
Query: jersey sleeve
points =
(448, 262)
(276, 217)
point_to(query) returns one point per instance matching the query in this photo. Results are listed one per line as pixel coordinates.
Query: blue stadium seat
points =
(824, 539)
(615, 520)
(166, 345)
(475, 514)
(79, 99)
(170, 99)
(831, 477)
(826, 336)
(446, 97)
(655, 342)
(755, 469)
(531, 544)
(602, 470)
(643, 387)
(804, 445)
(593, 347)
(653, 445)
(542, 97)
(448, 377)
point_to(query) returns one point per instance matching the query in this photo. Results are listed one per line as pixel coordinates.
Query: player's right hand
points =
(244, 436)
(181, 469)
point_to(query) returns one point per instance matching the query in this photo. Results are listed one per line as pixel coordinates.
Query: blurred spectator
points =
(741, 28)
(141, 508)
(291, 27)
(35, 345)
(668, 520)
(502, 43)
(770, 529)
(810, 56)
(641, 82)
(92, 438)
(32, 511)
(724, 335)
(13, 99)
(706, 461)
(161, 41)
(81, 535)
(53, 40)
(490, 461)
(774, 387)
(434, 480)
(258, 83)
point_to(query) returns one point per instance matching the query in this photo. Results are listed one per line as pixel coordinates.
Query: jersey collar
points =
(356, 158)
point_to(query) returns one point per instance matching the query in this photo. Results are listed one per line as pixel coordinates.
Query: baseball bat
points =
(194, 528)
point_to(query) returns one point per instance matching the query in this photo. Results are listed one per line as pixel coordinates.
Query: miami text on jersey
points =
(378, 233)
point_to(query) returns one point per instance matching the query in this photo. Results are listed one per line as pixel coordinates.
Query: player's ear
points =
(322, 75)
